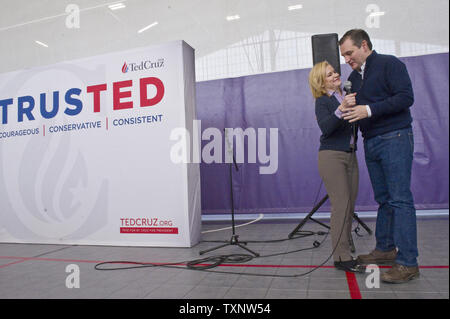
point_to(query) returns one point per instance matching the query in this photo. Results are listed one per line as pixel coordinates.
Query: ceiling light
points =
(116, 6)
(377, 14)
(148, 27)
(235, 17)
(41, 43)
(295, 7)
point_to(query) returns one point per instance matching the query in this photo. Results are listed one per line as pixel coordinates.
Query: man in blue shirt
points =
(384, 96)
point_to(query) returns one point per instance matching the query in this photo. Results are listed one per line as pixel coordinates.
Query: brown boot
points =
(399, 274)
(378, 257)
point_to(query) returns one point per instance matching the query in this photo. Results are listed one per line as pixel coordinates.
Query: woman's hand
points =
(349, 101)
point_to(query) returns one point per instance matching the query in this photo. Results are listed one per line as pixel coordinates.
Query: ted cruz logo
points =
(143, 65)
(125, 68)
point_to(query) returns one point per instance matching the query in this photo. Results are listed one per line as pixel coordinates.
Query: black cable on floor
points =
(208, 263)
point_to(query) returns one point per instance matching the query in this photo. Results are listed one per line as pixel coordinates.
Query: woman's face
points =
(332, 79)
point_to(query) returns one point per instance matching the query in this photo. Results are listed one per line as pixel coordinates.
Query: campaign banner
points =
(85, 151)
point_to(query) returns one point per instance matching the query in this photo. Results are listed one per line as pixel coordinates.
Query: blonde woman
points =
(338, 166)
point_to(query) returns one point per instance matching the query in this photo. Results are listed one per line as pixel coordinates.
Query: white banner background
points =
(83, 186)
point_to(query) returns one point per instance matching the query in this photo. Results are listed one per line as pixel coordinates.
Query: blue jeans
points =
(389, 161)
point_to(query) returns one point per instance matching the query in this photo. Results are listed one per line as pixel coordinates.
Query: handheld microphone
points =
(348, 87)
(348, 90)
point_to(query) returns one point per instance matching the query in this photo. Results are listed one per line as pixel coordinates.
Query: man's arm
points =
(402, 97)
(399, 84)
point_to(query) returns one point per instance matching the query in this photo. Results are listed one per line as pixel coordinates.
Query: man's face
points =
(354, 56)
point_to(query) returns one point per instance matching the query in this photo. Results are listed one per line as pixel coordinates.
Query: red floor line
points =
(12, 263)
(275, 266)
(22, 259)
(353, 286)
(351, 278)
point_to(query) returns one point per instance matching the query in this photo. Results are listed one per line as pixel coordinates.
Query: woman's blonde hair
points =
(317, 79)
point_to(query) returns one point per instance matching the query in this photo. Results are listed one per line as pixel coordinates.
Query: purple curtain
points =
(283, 100)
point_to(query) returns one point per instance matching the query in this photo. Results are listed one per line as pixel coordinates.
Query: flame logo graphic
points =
(59, 200)
(64, 200)
(124, 68)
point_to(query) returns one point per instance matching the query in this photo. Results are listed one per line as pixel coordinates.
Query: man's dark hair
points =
(357, 36)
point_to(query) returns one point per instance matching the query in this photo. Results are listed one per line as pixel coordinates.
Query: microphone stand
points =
(355, 216)
(348, 90)
(234, 238)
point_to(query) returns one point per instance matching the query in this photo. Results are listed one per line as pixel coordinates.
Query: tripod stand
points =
(234, 238)
(315, 208)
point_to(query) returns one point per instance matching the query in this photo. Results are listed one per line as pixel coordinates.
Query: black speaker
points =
(325, 47)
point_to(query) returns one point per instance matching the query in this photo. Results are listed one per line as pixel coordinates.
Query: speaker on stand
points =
(325, 47)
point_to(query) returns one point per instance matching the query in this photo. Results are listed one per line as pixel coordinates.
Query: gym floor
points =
(286, 268)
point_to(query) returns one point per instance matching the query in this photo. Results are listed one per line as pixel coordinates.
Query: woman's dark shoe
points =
(350, 265)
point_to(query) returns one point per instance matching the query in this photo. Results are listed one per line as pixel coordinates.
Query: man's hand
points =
(349, 101)
(356, 113)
